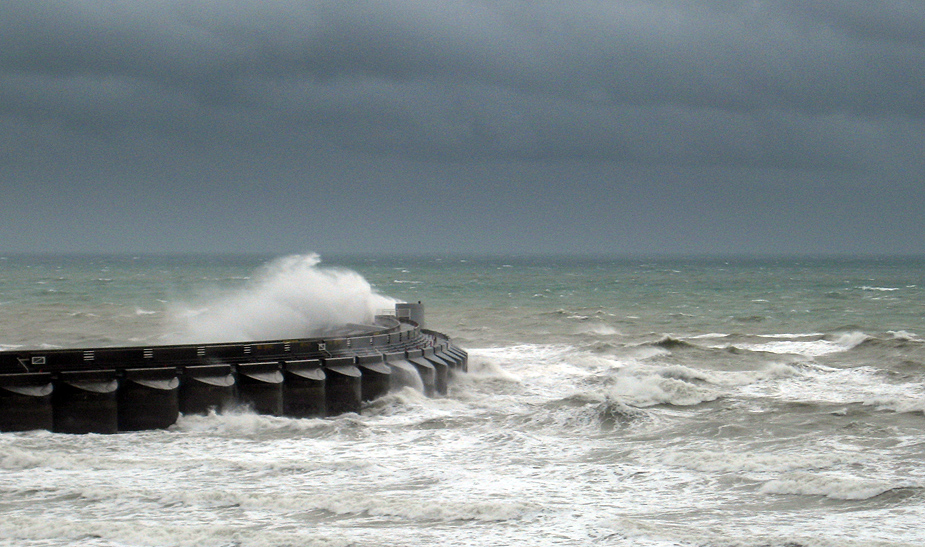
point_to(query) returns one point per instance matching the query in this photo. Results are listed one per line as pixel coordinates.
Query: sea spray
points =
(291, 297)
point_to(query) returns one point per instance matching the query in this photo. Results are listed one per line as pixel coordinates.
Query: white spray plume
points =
(291, 297)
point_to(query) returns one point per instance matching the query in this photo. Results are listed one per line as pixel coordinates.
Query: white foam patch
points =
(15, 459)
(599, 330)
(419, 510)
(905, 335)
(707, 336)
(790, 336)
(26, 530)
(291, 297)
(648, 352)
(838, 487)
(737, 462)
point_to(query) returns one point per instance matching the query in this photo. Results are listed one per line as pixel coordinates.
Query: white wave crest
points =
(656, 390)
(905, 335)
(809, 348)
(898, 402)
(830, 486)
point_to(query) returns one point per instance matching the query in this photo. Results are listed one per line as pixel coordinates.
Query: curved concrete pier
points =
(106, 390)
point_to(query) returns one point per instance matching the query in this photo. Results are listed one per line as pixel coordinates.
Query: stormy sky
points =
(642, 127)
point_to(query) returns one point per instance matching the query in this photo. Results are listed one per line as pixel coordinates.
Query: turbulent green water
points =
(611, 402)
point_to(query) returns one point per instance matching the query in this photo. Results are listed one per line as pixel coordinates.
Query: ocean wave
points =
(586, 409)
(901, 340)
(725, 461)
(655, 390)
(13, 458)
(611, 413)
(41, 530)
(900, 403)
(409, 406)
(904, 335)
(838, 487)
(348, 503)
(243, 422)
(709, 335)
(484, 365)
(877, 289)
(792, 336)
(17, 459)
(669, 342)
(420, 510)
(815, 346)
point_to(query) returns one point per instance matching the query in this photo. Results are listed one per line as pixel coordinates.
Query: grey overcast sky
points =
(645, 126)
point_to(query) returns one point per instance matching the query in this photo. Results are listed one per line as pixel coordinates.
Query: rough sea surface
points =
(627, 402)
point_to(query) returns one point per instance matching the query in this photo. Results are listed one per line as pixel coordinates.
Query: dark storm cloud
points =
(781, 84)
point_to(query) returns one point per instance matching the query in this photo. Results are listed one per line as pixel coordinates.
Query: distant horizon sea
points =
(613, 401)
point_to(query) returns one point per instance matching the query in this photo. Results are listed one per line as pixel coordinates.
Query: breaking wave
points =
(292, 297)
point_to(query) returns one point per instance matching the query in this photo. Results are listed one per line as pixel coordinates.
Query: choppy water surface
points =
(631, 402)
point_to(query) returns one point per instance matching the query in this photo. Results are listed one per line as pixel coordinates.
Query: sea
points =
(634, 401)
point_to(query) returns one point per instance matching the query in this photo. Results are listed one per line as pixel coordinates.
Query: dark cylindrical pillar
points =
(441, 370)
(377, 376)
(303, 389)
(403, 372)
(86, 402)
(425, 368)
(442, 351)
(260, 385)
(206, 387)
(25, 402)
(343, 386)
(463, 356)
(148, 399)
